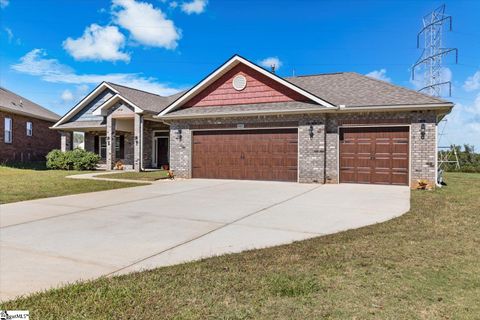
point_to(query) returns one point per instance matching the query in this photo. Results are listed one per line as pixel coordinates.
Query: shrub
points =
(77, 159)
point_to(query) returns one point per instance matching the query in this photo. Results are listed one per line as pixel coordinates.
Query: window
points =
(79, 140)
(101, 147)
(8, 136)
(29, 129)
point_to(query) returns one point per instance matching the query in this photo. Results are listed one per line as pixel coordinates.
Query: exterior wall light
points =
(136, 140)
(179, 134)
(422, 131)
(108, 140)
(310, 131)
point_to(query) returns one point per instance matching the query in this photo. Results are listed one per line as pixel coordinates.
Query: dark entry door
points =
(269, 154)
(377, 155)
(162, 152)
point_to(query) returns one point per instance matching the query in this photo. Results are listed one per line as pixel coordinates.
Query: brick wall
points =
(148, 128)
(311, 159)
(318, 156)
(27, 148)
(259, 89)
(422, 154)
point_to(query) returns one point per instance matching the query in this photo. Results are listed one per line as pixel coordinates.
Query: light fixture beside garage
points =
(310, 131)
(422, 131)
(179, 134)
(239, 82)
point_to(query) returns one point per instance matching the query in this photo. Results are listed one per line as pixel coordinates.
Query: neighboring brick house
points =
(243, 122)
(24, 129)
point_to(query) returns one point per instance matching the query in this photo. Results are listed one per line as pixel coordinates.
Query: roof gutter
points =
(339, 109)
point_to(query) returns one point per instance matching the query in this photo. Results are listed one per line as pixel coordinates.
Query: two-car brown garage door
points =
(378, 155)
(269, 154)
(374, 155)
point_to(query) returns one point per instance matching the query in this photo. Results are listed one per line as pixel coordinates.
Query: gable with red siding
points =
(259, 89)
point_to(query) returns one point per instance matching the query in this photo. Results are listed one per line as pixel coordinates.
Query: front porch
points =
(124, 143)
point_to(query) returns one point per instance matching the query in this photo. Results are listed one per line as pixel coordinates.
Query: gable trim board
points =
(102, 109)
(80, 105)
(232, 62)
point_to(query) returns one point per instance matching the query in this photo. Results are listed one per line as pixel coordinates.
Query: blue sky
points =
(54, 52)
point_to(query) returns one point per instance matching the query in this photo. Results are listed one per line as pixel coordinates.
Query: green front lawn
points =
(423, 265)
(143, 176)
(34, 182)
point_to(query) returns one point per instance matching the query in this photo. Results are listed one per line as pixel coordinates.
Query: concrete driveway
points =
(49, 242)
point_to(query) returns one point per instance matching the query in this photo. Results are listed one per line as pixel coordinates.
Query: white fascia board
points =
(102, 109)
(83, 102)
(446, 107)
(234, 61)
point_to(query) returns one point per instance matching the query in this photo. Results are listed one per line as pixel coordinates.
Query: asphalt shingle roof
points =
(145, 100)
(344, 88)
(355, 90)
(12, 102)
(82, 124)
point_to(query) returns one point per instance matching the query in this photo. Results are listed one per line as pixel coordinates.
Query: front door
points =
(162, 151)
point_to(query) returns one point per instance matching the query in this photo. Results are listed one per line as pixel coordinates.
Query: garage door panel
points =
(400, 178)
(382, 177)
(374, 155)
(400, 164)
(363, 176)
(246, 154)
(383, 163)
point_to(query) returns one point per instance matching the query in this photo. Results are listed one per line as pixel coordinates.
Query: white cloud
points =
(379, 75)
(173, 4)
(419, 82)
(73, 95)
(196, 6)
(67, 96)
(146, 24)
(4, 3)
(462, 125)
(473, 82)
(98, 43)
(267, 63)
(36, 63)
(9, 34)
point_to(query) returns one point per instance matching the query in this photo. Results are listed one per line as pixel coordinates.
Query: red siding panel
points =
(260, 89)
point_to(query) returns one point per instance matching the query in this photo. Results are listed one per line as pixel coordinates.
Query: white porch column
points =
(65, 141)
(110, 142)
(138, 142)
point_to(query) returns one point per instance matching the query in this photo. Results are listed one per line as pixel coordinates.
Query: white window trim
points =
(29, 130)
(10, 140)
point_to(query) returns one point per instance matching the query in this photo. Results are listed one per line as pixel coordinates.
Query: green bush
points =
(77, 159)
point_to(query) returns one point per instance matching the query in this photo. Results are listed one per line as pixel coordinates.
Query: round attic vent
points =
(239, 82)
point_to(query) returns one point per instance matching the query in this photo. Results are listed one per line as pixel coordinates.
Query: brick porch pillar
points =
(110, 142)
(138, 142)
(65, 141)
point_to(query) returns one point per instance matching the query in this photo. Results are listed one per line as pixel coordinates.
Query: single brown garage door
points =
(245, 154)
(374, 155)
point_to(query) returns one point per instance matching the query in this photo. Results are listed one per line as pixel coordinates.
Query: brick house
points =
(244, 122)
(24, 129)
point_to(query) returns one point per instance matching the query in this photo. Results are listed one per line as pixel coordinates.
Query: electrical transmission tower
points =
(434, 52)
